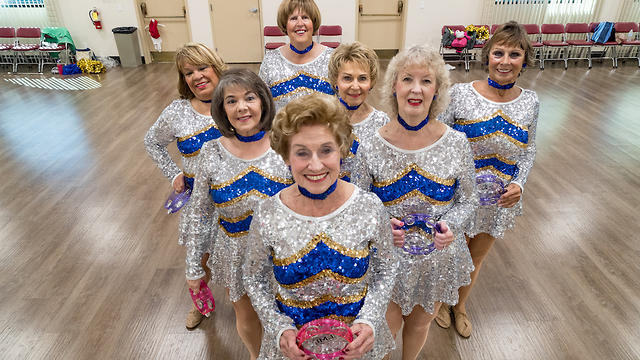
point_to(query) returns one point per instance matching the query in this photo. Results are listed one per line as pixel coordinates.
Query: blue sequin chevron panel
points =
(506, 170)
(414, 181)
(251, 181)
(189, 180)
(303, 314)
(237, 226)
(301, 80)
(190, 145)
(497, 124)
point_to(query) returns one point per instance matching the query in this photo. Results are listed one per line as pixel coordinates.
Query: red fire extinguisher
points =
(95, 18)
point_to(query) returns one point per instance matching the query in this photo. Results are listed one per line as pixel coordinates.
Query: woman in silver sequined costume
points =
(299, 68)
(323, 248)
(234, 173)
(353, 72)
(500, 123)
(188, 122)
(416, 164)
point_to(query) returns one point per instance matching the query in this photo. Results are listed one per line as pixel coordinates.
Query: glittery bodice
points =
(226, 192)
(362, 130)
(437, 180)
(502, 137)
(338, 266)
(288, 81)
(191, 130)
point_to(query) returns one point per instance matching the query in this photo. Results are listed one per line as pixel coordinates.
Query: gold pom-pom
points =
(91, 66)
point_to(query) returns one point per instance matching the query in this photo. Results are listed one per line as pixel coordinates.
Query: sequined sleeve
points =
(524, 162)
(198, 227)
(448, 116)
(383, 269)
(464, 199)
(159, 136)
(360, 175)
(257, 272)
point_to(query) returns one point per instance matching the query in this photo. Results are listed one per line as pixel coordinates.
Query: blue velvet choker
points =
(412, 128)
(347, 105)
(206, 101)
(498, 86)
(252, 138)
(321, 196)
(301, 51)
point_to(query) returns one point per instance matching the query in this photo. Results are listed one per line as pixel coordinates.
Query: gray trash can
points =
(128, 46)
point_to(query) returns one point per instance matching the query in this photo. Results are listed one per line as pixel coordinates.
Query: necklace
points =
(255, 137)
(206, 101)
(347, 106)
(321, 196)
(301, 51)
(498, 86)
(412, 128)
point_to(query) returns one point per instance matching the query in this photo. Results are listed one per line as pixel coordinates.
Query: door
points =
(237, 31)
(175, 32)
(381, 24)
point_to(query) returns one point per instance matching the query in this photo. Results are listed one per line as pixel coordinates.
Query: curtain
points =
(541, 11)
(28, 13)
(630, 11)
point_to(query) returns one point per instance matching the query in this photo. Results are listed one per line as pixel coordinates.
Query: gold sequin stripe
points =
(321, 300)
(418, 194)
(248, 170)
(189, 175)
(344, 319)
(345, 173)
(301, 72)
(242, 197)
(234, 220)
(496, 156)
(297, 90)
(486, 118)
(500, 134)
(439, 180)
(197, 132)
(322, 237)
(195, 153)
(326, 273)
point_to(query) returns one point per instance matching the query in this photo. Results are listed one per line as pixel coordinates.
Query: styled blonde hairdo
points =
(196, 54)
(510, 34)
(418, 56)
(287, 7)
(313, 109)
(358, 53)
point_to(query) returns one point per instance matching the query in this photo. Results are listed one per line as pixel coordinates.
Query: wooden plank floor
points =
(90, 267)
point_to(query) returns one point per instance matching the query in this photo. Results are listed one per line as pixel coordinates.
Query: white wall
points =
(74, 15)
(425, 25)
(334, 12)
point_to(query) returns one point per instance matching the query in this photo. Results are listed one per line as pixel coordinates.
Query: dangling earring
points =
(434, 97)
(486, 64)
(394, 95)
(524, 66)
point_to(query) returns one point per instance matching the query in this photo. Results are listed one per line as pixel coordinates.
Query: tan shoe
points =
(194, 318)
(443, 317)
(463, 324)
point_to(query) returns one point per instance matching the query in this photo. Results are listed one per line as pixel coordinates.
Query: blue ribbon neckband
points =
(412, 128)
(347, 106)
(206, 101)
(301, 51)
(255, 137)
(500, 87)
(321, 196)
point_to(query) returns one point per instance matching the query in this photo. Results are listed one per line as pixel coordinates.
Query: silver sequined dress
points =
(362, 130)
(180, 122)
(437, 180)
(502, 137)
(338, 266)
(227, 190)
(288, 81)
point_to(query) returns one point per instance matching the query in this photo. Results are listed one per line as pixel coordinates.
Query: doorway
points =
(381, 25)
(173, 26)
(237, 30)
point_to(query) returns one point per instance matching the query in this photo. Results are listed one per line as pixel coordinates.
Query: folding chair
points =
(46, 51)
(628, 44)
(272, 31)
(330, 30)
(7, 40)
(27, 53)
(533, 30)
(494, 27)
(464, 54)
(606, 45)
(560, 45)
(581, 30)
